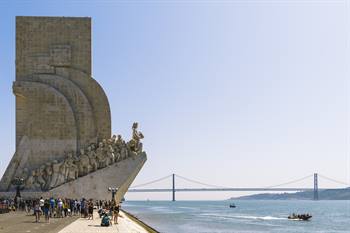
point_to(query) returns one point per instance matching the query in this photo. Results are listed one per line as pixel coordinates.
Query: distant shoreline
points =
(328, 194)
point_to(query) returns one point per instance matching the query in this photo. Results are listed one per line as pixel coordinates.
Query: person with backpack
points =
(106, 221)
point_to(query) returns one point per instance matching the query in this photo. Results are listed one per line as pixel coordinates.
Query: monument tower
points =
(62, 113)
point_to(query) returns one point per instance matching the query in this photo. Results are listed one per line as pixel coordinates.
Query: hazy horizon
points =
(231, 93)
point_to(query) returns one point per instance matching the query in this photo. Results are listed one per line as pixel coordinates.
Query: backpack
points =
(105, 221)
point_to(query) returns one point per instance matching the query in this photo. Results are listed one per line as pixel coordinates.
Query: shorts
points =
(46, 211)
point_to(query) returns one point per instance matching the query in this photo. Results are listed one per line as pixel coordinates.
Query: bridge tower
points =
(173, 187)
(315, 187)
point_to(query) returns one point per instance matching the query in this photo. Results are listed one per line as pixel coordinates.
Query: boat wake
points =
(258, 217)
(266, 218)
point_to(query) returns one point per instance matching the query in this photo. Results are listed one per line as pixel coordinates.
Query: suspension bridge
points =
(216, 188)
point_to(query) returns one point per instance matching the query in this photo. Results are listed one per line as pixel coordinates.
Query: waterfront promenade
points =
(125, 225)
(19, 222)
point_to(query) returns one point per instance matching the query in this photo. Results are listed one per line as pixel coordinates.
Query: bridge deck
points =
(222, 189)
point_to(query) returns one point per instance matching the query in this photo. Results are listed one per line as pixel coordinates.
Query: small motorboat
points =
(300, 217)
(232, 205)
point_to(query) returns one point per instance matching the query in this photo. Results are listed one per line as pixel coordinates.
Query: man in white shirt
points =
(41, 203)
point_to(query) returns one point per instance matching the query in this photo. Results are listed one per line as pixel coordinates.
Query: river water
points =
(249, 216)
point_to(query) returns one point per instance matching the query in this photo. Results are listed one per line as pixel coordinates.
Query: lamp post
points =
(18, 182)
(114, 191)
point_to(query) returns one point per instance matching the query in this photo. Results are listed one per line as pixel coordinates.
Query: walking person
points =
(47, 210)
(37, 211)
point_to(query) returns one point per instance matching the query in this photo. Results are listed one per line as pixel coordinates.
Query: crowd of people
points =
(65, 207)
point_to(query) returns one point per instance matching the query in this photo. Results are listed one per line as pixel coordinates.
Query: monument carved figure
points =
(40, 176)
(73, 167)
(84, 163)
(92, 159)
(135, 144)
(101, 154)
(48, 175)
(110, 155)
(29, 182)
(62, 174)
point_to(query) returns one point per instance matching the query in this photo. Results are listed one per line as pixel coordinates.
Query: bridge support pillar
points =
(315, 187)
(173, 187)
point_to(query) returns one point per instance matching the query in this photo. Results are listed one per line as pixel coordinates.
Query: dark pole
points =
(173, 187)
(113, 194)
(113, 191)
(315, 187)
(18, 182)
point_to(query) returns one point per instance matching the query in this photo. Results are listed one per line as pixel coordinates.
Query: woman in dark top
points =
(91, 209)
(116, 208)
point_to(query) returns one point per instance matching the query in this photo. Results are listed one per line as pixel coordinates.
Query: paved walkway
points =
(125, 225)
(19, 222)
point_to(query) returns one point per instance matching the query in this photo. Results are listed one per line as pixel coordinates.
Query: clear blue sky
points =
(233, 93)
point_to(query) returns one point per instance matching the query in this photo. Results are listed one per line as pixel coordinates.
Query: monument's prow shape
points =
(63, 119)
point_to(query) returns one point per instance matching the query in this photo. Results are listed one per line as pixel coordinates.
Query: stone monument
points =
(63, 118)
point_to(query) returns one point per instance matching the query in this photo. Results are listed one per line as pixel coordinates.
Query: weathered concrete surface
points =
(59, 106)
(66, 39)
(95, 185)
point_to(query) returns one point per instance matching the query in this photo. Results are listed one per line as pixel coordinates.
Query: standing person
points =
(37, 211)
(41, 203)
(47, 210)
(27, 207)
(71, 207)
(82, 208)
(52, 206)
(91, 209)
(65, 208)
(76, 207)
(116, 209)
(59, 208)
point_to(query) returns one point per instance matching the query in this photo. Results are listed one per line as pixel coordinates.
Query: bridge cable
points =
(198, 182)
(151, 182)
(290, 182)
(335, 181)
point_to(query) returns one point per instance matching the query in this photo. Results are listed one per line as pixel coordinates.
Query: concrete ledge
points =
(141, 223)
